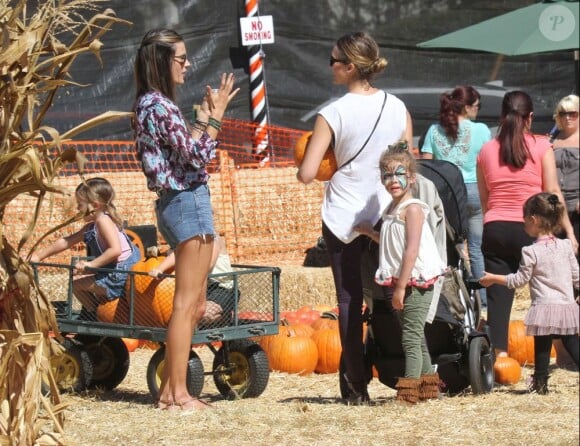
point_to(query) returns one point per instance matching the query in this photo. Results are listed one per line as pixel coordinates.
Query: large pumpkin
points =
(520, 346)
(327, 342)
(292, 354)
(327, 165)
(507, 370)
(153, 297)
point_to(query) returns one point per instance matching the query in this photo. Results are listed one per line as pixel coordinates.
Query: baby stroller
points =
(464, 355)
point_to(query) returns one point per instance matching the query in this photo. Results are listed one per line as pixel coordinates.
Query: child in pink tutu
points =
(550, 267)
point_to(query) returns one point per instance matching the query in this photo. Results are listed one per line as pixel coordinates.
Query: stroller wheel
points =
(480, 365)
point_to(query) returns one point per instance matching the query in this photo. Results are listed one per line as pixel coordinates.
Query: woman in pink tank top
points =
(510, 168)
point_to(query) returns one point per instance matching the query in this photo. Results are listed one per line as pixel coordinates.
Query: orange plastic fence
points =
(265, 214)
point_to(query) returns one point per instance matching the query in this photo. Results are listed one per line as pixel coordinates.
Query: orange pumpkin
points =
(328, 164)
(302, 329)
(507, 370)
(307, 315)
(327, 320)
(153, 297)
(520, 346)
(131, 344)
(106, 312)
(115, 311)
(294, 354)
(327, 342)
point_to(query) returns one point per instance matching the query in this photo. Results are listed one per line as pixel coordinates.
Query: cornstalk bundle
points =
(38, 48)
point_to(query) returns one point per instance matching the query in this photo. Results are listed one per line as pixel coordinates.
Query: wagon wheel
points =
(481, 373)
(72, 369)
(240, 369)
(136, 241)
(194, 380)
(110, 359)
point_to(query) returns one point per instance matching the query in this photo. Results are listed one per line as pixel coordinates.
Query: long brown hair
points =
(153, 62)
(515, 112)
(452, 105)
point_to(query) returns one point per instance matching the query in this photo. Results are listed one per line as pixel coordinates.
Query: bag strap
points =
(371, 134)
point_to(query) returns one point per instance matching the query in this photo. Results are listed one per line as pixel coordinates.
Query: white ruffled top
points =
(428, 265)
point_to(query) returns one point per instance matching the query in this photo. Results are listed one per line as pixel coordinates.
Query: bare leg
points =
(192, 263)
(89, 294)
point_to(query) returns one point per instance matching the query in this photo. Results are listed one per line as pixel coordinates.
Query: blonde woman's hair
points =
(362, 51)
(99, 190)
(567, 103)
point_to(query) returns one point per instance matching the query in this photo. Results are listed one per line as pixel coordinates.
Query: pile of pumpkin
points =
(508, 369)
(153, 298)
(308, 341)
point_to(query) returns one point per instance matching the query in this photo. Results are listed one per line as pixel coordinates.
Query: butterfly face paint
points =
(399, 175)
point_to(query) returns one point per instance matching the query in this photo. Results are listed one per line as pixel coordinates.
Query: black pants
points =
(345, 261)
(543, 347)
(502, 244)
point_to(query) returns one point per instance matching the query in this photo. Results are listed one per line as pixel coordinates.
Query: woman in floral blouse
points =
(173, 156)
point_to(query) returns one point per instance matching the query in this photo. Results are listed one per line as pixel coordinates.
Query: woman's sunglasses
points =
(332, 61)
(181, 59)
(569, 114)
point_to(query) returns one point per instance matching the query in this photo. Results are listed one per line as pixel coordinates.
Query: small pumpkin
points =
(507, 370)
(131, 343)
(307, 315)
(328, 164)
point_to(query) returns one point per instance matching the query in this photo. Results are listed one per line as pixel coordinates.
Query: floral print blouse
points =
(170, 157)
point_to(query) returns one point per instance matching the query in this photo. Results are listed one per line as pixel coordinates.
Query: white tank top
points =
(355, 193)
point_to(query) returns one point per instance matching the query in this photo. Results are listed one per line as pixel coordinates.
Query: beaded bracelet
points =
(212, 122)
(200, 125)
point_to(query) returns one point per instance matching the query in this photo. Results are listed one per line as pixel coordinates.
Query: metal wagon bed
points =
(95, 355)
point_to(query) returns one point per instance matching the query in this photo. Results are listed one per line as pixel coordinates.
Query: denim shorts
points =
(114, 283)
(184, 214)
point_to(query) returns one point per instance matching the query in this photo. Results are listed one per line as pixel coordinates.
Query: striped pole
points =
(258, 93)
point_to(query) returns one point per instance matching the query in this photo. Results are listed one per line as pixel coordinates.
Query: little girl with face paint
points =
(410, 263)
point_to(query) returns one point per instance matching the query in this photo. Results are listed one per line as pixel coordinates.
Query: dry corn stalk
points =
(23, 364)
(37, 48)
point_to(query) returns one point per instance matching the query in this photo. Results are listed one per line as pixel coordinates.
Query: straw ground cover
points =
(297, 410)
